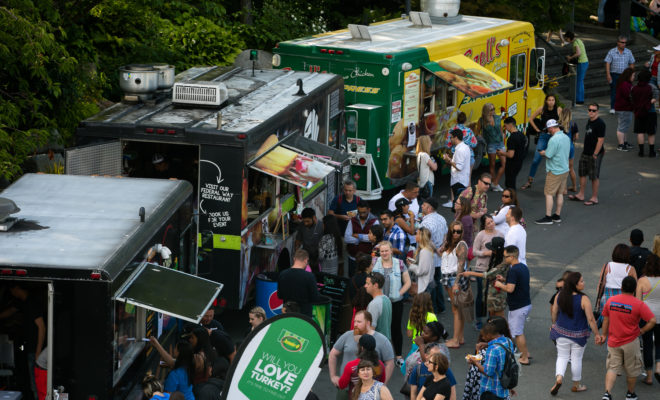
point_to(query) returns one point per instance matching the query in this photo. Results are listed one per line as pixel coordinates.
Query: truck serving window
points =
(533, 66)
(437, 95)
(517, 71)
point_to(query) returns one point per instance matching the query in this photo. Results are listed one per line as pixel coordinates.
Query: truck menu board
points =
(220, 190)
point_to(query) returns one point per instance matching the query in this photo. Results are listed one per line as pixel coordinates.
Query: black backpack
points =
(509, 378)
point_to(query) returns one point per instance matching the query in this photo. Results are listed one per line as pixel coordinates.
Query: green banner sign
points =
(280, 360)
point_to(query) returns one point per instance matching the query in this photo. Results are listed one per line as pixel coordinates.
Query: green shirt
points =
(559, 147)
(578, 44)
(380, 309)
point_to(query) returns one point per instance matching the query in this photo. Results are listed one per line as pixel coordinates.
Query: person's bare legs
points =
(457, 338)
(640, 138)
(500, 171)
(630, 382)
(560, 203)
(583, 184)
(548, 204)
(572, 174)
(620, 137)
(595, 184)
(610, 380)
(492, 158)
(521, 343)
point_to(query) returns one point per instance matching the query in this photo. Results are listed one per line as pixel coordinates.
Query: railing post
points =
(624, 19)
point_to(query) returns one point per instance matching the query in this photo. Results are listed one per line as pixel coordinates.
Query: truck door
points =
(365, 146)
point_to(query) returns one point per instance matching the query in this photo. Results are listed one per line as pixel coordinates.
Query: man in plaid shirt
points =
(616, 61)
(394, 234)
(493, 364)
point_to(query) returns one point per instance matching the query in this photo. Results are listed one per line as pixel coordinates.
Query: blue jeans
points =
(437, 294)
(579, 83)
(601, 11)
(479, 301)
(541, 145)
(614, 76)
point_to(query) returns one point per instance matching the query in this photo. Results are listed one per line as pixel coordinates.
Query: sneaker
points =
(631, 396)
(622, 147)
(399, 362)
(544, 221)
(497, 188)
(652, 154)
(612, 111)
(556, 218)
(627, 145)
(448, 204)
(607, 396)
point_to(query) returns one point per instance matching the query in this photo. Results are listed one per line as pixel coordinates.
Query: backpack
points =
(511, 370)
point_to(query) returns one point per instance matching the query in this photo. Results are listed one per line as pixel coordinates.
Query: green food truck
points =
(411, 76)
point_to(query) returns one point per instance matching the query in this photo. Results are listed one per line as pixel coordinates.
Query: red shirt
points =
(350, 375)
(624, 312)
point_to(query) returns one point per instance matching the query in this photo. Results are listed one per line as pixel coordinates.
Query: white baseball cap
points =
(551, 123)
(657, 48)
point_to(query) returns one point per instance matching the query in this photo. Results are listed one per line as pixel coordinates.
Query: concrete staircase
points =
(598, 41)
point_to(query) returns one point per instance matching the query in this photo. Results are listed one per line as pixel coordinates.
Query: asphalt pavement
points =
(583, 241)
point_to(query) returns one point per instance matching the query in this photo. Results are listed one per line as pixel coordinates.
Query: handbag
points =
(405, 389)
(470, 254)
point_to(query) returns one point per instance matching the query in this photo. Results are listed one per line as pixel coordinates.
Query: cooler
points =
(267, 296)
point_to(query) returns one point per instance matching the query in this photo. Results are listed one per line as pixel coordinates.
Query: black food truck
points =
(257, 146)
(90, 248)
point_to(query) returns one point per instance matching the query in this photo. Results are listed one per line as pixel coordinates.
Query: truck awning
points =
(291, 164)
(169, 291)
(467, 76)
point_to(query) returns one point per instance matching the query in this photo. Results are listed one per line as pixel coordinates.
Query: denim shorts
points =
(624, 121)
(493, 147)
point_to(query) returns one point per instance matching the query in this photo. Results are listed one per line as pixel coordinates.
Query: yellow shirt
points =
(430, 317)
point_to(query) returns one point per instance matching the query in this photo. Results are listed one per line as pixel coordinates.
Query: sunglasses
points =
(485, 183)
(592, 110)
(459, 232)
(506, 196)
(621, 42)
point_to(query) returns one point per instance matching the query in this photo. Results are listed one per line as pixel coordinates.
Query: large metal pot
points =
(138, 78)
(165, 75)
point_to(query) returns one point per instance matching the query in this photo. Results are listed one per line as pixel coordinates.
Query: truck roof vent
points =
(200, 93)
(443, 12)
(7, 207)
(420, 19)
(359, 32)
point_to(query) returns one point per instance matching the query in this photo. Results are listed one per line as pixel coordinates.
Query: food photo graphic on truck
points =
(420, 71)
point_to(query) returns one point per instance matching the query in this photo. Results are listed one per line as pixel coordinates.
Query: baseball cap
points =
(432, 202)
(657, 48)
(496, 244)
(367, 342)
(157, 158)
(402, 202)
(551, 123)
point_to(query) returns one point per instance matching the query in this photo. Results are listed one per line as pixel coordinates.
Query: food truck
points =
(88, 251)
(257, 146)
(411, 76)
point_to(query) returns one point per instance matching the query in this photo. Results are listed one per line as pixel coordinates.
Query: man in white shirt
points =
(516, 236)
(460, 164)
(410, 193)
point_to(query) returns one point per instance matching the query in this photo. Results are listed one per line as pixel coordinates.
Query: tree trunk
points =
(246, 5)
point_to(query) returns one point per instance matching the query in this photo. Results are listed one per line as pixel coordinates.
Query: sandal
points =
(555, 388)
(527, 184)
(578, 388)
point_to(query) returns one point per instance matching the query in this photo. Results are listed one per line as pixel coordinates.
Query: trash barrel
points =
(267, 295)
(322, 315)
